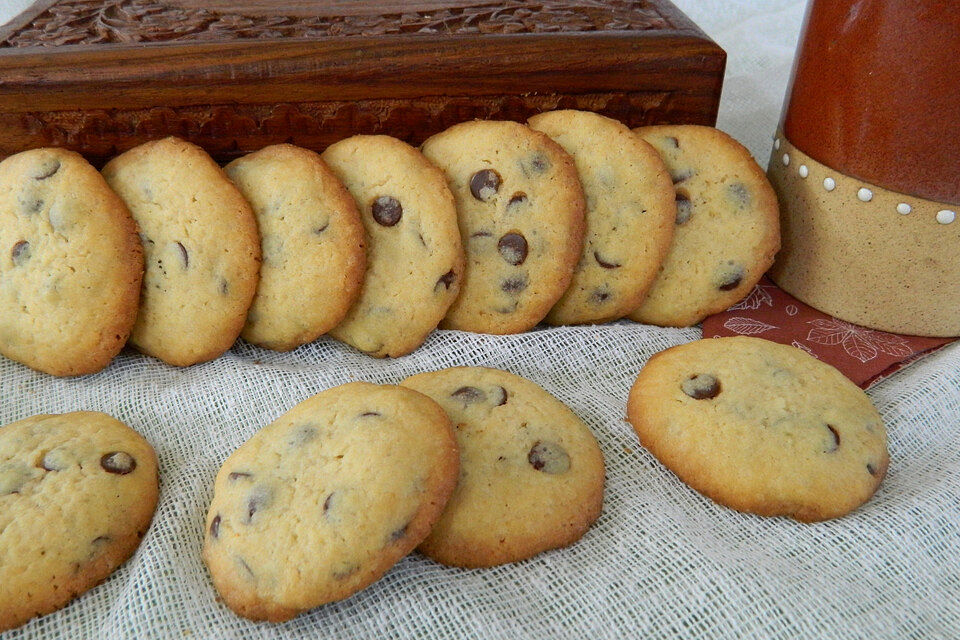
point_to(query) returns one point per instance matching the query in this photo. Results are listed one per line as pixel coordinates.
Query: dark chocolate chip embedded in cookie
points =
(346, 483)
(414, 254)
(520, 208)
(70, 264)
(760, 427)
(727, 226)
(630, 216)
(313, 245)
(77, 493)
(201, 248)
(531, 472)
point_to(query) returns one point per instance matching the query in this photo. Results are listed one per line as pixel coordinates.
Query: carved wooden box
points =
(101, 76)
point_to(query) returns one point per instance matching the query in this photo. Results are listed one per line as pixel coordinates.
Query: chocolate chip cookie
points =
(531, 472)
(629, 218)
(520, 207)
(414, 255)
(322, 502)
(77, 492)
(727, 226)
(312, 245)
(70, 264)
(760, 427)
(201, 248)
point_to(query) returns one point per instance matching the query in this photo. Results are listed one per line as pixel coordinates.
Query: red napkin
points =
(863, 355)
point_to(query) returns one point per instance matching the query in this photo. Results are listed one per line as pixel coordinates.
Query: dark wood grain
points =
(236, 94)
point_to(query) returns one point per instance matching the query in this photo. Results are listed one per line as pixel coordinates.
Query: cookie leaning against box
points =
(312, 245)
(77, 493)
(201, 247)
(760, 427)
(520, 209)
(323, 501)
(727, 226)
(629, 220)
(531, 474)
(414, 255)
(70, 264)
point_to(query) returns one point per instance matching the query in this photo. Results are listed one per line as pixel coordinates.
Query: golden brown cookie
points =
(531, 472)
(727, 226)
(760, 427)
(201, 247)
(77, 493)
(520, 208)
(70, 264)
(629, 218)
(312, 245)
(323, 501)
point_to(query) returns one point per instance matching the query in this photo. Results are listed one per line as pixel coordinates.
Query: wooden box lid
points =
(101, 76)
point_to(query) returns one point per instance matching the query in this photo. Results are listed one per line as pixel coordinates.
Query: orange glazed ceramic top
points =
(876, 93)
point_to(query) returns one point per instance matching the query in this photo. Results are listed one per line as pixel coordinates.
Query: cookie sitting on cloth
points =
(863, 355)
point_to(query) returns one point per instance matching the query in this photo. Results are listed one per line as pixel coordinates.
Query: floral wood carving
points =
(227, 131)
(141, 21)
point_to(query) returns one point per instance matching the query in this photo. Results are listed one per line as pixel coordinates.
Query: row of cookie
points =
(345, 484)
(574, 219)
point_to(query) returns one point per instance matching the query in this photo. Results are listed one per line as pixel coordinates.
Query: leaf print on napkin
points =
(747, 326)
(757, 297)
(857, 342)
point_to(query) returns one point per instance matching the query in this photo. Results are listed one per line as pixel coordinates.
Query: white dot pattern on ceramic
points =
(945, 216)
(829, 184)
(786, 159)
(803, 171)
(903, 208)
(776, 143)
(864, 194)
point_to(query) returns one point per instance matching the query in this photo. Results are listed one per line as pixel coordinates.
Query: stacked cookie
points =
(491, 227)
(322, 502)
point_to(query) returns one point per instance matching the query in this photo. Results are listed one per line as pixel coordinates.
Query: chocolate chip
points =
(54, 460)
(236, 475)
(224, 286)
(535, 164)
(702, 386)
(184, 257)
(321, 228)
(303, 434)
(502, 396)
(387, 211)
(513, 248)
(684, 208)
(517, 199)
(215, 527)
(731, 278)
(548, 457)
(370, 414)
(673, 142)
(739, 193)
(259, 499)
(341, 574)
(445, 280)
(118, 462)
(515, 284)
(680, 176)
(485, 184)
(20, 253)
(836, 439)
(399, 533)
(46, 169)
(469, 395)
(606, 264)
(872, 470)
(599, 296)
(328, 502)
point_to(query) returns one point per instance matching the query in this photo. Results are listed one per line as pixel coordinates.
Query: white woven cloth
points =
(661, 562)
